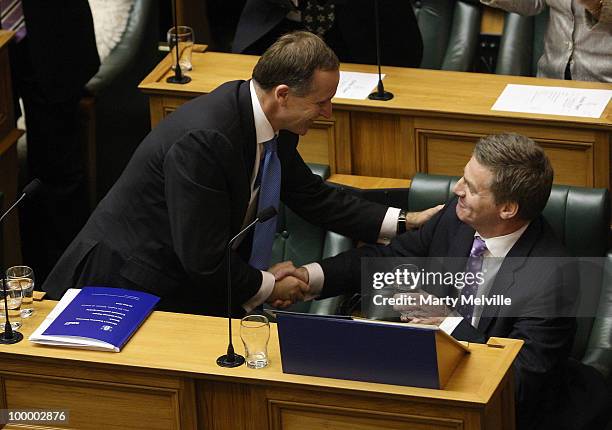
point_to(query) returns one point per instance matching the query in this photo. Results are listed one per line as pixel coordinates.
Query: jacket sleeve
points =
(342, 273)
(323, 205)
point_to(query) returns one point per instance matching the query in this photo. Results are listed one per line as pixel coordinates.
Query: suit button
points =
(285, 234)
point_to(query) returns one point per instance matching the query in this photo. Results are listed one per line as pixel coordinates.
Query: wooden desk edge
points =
(92, 359)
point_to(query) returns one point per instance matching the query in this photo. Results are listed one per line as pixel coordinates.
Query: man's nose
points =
(459, 188)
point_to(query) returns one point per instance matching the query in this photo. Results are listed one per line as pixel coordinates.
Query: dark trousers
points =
(55, 155)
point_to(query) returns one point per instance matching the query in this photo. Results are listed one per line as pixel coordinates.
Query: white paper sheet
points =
(356, 85)
(580, 102)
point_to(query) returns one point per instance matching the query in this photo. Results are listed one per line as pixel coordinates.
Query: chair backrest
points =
(522, 44)
(122, 117)
(580, 218)
(301, 242)
(450, 31)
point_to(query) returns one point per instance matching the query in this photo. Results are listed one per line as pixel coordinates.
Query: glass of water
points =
(24, 277)
(184, 38)
(13, 304)
(255, 333)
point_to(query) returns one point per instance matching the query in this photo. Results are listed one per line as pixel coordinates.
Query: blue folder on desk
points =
(370, 351)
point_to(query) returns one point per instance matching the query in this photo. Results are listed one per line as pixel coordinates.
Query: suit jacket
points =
(61, 45)
(534, 286)
(401, 43)
(165, 224)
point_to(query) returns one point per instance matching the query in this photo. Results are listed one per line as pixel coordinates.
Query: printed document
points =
(586, 103)
(356, 85)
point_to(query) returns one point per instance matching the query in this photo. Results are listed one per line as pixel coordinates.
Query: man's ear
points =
(281, 92)
(508, 210)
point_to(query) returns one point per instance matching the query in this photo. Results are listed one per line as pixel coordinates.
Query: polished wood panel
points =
(167, 377)
(429, 126)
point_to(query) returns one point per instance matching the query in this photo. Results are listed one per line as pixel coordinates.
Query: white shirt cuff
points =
(450, 323)
(267, 285)
(388, 229)
(316, 278)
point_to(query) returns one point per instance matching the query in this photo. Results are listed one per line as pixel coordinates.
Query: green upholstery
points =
(121, 110)
(581, 218)
(450, 31)
(522, 44)
(301, 242)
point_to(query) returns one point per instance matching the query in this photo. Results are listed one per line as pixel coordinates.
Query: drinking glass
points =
(255, 333)
(185, 40)
(13, 301)
(24, 277)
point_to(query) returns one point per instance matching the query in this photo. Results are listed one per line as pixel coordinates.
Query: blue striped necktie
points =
(269, 195)
(11, 17)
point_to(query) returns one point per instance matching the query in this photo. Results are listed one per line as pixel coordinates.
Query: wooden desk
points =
(430, 126)
(9, 164)
(166, 378)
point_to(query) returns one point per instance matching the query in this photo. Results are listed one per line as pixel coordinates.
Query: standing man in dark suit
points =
(195, 182)
(54, 56)
(494, 220)
(347, 26)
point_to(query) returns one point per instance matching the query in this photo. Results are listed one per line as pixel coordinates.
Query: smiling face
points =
(476, 206)
(298, 113)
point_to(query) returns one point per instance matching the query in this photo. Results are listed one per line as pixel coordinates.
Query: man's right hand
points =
(287, 291)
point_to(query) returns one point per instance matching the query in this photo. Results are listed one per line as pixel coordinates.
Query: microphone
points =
(10, 336)
(380, 93)
(178, 77)
(29, 190)
(231, 359)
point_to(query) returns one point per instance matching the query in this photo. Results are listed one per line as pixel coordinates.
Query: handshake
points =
(290, 286)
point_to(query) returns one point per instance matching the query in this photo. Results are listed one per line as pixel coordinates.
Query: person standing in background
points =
(578, 40)
(53, 57)
(348, 27)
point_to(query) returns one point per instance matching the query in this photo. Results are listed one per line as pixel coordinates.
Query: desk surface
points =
(190, 344)
(416, 90)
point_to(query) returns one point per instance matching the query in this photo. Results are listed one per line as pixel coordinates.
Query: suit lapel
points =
(505, 279)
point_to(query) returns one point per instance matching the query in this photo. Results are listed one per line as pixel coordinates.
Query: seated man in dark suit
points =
(347, 26)
(495, 216)
(203, 174)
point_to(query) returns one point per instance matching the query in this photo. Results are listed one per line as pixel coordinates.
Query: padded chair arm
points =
(134, 43)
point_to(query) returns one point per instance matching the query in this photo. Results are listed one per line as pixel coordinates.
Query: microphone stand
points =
(380, 93)
(178, 77)
(231, 359)
(9, 336)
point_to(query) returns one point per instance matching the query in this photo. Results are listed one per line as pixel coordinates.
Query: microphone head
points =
(266, 214)
(32, 188)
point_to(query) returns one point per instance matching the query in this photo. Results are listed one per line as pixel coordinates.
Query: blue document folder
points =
(371, 351)
(95, 318)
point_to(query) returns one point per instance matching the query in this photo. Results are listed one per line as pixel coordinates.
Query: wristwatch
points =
(401, 222)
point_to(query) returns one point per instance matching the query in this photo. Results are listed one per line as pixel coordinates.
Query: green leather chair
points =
(522, 44)
(301, 242)
(115, 112)
(450, 30)
(581, 219)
